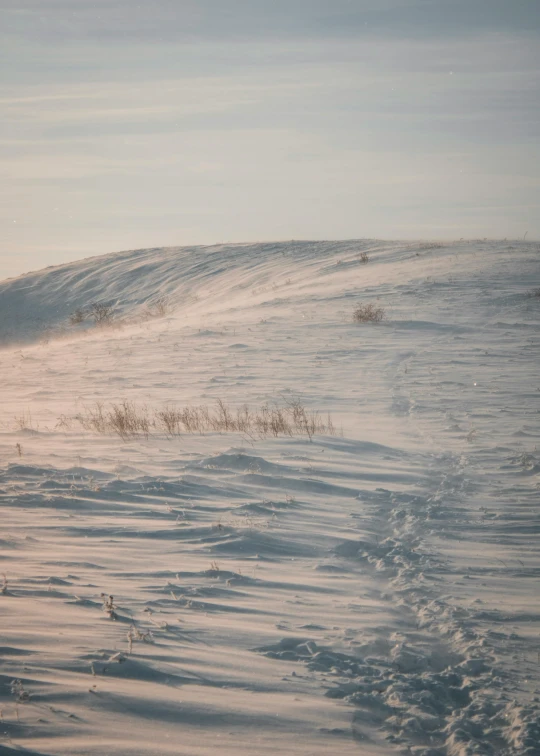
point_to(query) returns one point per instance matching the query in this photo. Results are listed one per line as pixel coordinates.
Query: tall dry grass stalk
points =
(129, 420)
(125, 419)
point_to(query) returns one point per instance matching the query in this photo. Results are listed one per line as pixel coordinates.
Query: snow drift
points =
(373, 591)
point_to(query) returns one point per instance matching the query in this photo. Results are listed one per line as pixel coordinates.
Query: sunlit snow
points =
(372, 591)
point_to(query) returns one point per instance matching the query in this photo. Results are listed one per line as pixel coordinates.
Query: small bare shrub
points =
(364, 258)
(77, 317)
(368, 313)
(102, 313)
(160, 308)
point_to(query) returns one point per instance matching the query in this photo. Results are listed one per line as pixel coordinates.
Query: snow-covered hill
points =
(39, 304)
(370, 591)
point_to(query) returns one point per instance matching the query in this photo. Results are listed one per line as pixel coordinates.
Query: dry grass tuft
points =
(77, 317)
(134, 634)
(125, 419)
(268, 420)
(364, 257)
(24, 422)
(160, 308)
(130, 421)
(108, 606)
(368, 313)
(102, 313)
(17, 690)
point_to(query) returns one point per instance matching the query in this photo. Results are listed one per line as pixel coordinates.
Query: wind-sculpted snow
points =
(194, 280)
(370, 592)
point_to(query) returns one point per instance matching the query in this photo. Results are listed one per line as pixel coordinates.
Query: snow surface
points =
(372, 592)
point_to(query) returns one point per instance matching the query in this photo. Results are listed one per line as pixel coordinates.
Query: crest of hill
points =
(41, 302)
(198, 280)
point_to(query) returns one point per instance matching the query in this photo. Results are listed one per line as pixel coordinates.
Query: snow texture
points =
(369, 592)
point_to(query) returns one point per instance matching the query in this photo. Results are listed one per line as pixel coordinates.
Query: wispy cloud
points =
(188, 20)
(131, 124)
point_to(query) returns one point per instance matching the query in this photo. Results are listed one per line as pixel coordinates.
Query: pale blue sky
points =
(132, 124)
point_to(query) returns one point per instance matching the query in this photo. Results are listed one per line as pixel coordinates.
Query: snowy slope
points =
(33, 305)
(373, 591)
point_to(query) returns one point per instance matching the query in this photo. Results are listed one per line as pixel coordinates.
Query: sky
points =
(131, 124)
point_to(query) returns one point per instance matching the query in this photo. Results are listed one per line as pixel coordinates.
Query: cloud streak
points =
(126, 125)
(188, 20)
